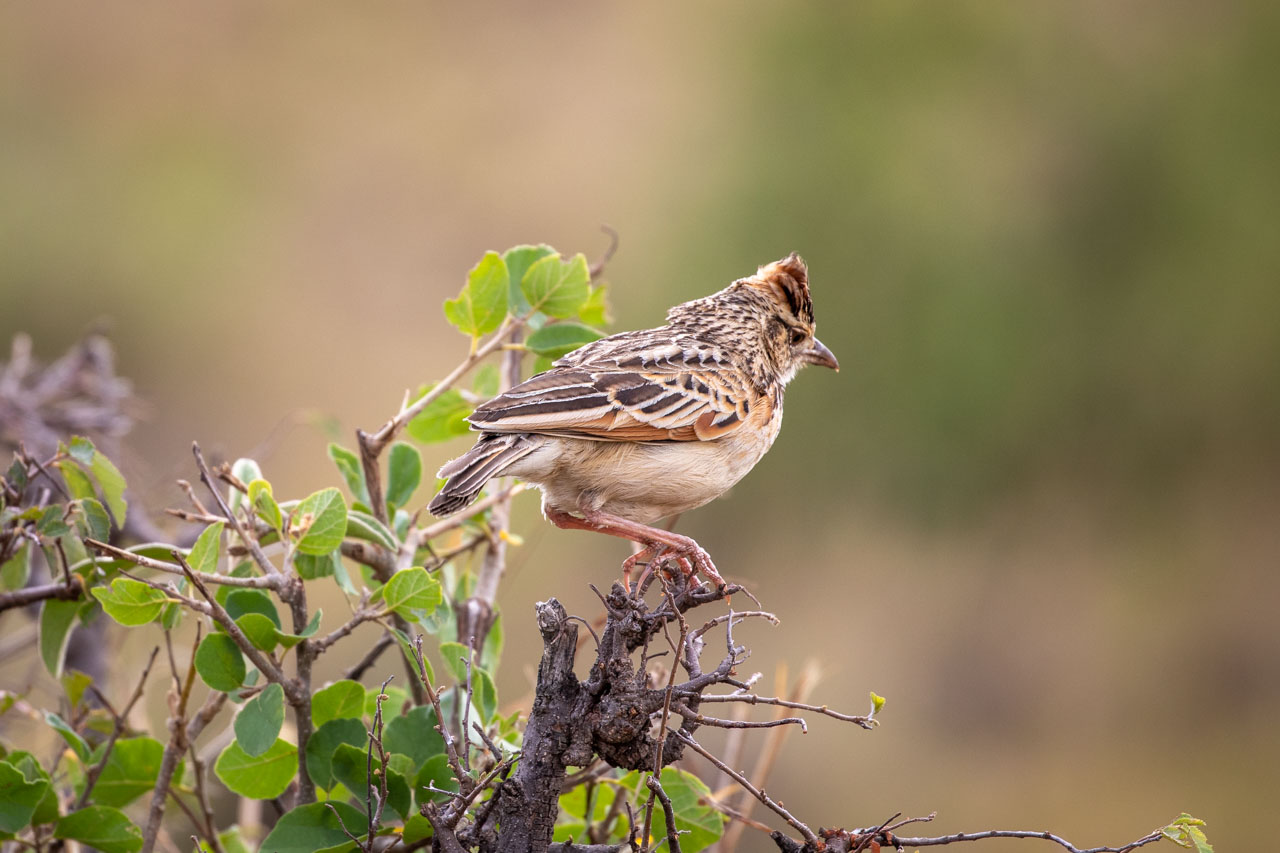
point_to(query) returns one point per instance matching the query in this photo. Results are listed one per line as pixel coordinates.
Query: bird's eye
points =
(797, 336)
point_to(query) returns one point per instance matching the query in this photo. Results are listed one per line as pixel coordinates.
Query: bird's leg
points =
(650, 537)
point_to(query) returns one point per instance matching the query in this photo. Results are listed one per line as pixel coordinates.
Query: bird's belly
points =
(646, 482)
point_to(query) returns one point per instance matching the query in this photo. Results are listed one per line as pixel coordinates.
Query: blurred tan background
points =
(1039, 507)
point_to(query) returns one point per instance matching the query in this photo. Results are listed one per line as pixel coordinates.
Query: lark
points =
(639, 426)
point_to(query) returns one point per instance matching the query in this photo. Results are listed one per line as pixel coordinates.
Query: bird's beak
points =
(819, 354)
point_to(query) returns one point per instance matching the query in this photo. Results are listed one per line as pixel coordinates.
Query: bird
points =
(640, 426)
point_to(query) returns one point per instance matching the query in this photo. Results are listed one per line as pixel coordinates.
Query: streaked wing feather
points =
(614, 390)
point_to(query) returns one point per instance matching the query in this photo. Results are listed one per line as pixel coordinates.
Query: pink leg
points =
(649, 537)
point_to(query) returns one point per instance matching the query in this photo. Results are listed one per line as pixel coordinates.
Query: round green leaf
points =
(130, 602)
(242, 601)
(259, 630)
(404, 473)
(220, 663)
(325, 740)
(443, 418)
(414, 734)
(204, 554)
(131, 771)
(57, 618)
(412, 589)
(560, 339)
(558, 288)
(102, 827)
(342, 699)
(323, 517)
(259, 721)
(313, 827)
(351, 768)
(482, 304)
(18, 797)
(259, 777)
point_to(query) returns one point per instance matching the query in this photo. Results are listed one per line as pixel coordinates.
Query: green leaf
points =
(1187, 832)
(52, 522)
(130, 602)
(246, 471)
(557, 339)
(362, 525)
(259, 631)
(102, 827)
(106, 473)
(75, 683)
(291, 640)
(443, 418)
(57, 618)
(351, 768)
(92, 520)
(204, 554)
(877, 702)
(405, 473)
(484, 694)
(482, 304)
(220, 663)
(416, 828)
(242, 601)
(703, 824)
(311, 567)
(558, 288)
(342, 699)
(69, 735)
(78, 482)
(18, 797)
(454, 657)
(352, 471)
(47, 809)
(264, 503)
(596, 311)
(324, 740)
(259, 777)
(414, 735)
(436, 772)
(313, 827)
(323, 516)
(412, 589)
(131, 771)
(397, 699)
(16, 571)
(407, 649)
(259, 721)
(518, 260)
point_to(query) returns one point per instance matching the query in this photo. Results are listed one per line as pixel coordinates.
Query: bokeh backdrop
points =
(1038, 508)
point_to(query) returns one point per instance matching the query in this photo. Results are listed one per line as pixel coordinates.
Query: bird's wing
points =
(623, 393)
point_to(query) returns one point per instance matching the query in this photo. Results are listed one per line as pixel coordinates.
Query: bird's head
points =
(787, 316)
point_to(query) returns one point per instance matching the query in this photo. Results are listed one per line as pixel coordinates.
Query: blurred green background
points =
(1039, 507)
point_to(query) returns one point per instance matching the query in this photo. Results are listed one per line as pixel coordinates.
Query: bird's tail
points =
(468, 473)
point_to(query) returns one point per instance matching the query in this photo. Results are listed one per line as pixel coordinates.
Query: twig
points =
(1007, 833)
(673, 837)
(119, 722)
(249, 541)
(259, 659)
(753, 699)
(464, 779)
(32, 594)
(273, 582)
(372, 444)
(684, 711)
(760, 795)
